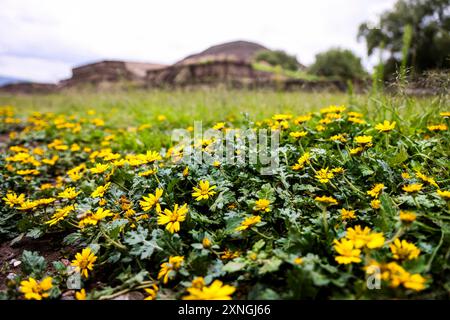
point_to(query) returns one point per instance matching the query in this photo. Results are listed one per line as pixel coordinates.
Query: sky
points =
(41, 40)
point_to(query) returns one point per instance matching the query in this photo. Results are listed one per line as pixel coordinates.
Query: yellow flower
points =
(35, 290)
(320, 128)
(302, 118)
(75, 147)
(281, 117)
(304, 159)
(51, 161)
(326, 200)
(324, 176)
(356, 151)
(347, 252)
(152, 156)
(76, 173)
(347, 214)
(161, 117)
(152, 199)
(333, 109)
(216, 291)
(407, 217)
(355, 114)
(219, 126)
(298, 260)
(204, 190)
(28, 172)
(173, 218)
(249, 222)
(229, 255)
(298, 134)
(399, 276)
(186, 172)
(375, 204)
(98, 122)
(80, 295)
(27, 205)
(147, 173)
(444, 194)
(12, 199)
(90, 218)
(414, 187)
(338, 137)
(375, 191)
(438, 127)
(99, 168)
(363, 140)
(425, 178)
(100, 191)
(60, 215)
(414, 282)
(46, 201)
(365, 237)
(386, 126)
(403, 250)
(167, 267)
(206, 243)
(337, 170)
(84, 261)
(406, 175)
(262, 205)
(152, 292)
(69, 193)
(356, 120)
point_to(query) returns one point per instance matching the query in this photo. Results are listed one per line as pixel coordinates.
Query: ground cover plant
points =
(358, 206)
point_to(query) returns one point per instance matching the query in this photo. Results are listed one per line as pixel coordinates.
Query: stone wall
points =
(108, 72)
(213, 72)
(29, 88)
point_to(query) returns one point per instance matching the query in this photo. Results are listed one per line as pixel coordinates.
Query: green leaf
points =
(142, 247)
(270, 265)
(233, 266)
(400, 157)
(33, 264)
(35, 233)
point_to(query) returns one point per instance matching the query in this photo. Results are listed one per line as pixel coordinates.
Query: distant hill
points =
(237, 50)
(7, 80)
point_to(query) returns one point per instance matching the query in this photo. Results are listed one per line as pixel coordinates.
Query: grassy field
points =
(182, 108)
(359, 199)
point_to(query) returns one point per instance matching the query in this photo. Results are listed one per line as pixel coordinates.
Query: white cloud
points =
(53, 35)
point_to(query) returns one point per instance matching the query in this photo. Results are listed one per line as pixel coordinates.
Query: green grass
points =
(299, 224)
(288, 73)
(183, 107)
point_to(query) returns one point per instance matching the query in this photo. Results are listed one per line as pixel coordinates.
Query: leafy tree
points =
(278, 58)
(429, 21)
(339, 63)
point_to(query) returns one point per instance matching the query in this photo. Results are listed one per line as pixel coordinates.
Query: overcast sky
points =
(42, 39)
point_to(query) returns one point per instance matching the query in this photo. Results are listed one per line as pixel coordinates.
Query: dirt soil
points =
(49, 247)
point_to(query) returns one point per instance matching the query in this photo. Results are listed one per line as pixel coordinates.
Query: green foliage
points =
(33, 264)
(425, 24)
(278, 58)
(338, 63)
(290, 254)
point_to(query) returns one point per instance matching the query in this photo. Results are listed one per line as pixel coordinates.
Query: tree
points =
(278, 58)
(339, 63)
(429, 21)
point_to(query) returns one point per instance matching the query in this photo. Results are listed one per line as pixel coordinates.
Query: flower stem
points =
(325, 220)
